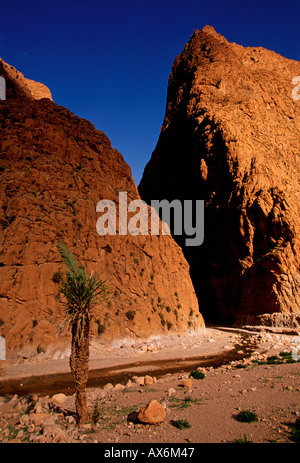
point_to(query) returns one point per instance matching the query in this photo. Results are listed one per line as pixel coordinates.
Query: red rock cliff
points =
(231, 137)
(54, 169)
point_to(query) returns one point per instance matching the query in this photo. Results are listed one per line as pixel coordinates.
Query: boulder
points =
(152, 413)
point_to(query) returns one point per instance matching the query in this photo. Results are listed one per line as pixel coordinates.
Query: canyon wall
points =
(54, 169)
(230, 137)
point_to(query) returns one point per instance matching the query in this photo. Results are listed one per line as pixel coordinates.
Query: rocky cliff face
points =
(54, 169)
(231, 137)
(18, 87)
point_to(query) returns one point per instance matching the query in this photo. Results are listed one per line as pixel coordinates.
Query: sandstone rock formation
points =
(231, 137)
(18, 87)
(54, 169)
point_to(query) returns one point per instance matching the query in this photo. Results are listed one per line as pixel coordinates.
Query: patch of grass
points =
(247, 416)
(180, 424)
(12, 432)
(272, 359)
(284, 358)
(182, 404)
(197, 374)
(285, 354)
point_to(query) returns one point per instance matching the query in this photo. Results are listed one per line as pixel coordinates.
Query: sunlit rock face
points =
(54, 170)
(231, 137)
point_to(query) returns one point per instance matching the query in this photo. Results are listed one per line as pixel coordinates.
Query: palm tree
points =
(80, 294)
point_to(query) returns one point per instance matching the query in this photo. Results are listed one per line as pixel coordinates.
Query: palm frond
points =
(69, 259)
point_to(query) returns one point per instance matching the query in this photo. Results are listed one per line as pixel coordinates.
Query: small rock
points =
(171, 392)
(58, 399)
(38, 418)
(71, 419)
(108, 386)
(151, 348)
(148, 380)
(139, 380)
(24, 420)
(119, 387)
(187, 383)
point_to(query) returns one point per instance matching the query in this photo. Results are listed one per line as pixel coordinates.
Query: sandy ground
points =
(210, 406)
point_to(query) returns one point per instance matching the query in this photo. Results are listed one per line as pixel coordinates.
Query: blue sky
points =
(109, 60)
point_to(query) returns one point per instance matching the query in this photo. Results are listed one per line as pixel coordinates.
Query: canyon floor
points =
(251, 369)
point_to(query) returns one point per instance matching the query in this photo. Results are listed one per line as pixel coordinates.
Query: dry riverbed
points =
(242, 370)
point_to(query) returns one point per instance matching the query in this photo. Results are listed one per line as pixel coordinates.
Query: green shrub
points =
(162, 319)
(197, 374)
(130, 314)
(247, 416)
(285, 354)
(297, 423)
(169, 325)
(295, 437)
(57, 277)
(101, 327)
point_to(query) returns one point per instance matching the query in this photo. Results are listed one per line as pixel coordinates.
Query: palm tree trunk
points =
(79, 363)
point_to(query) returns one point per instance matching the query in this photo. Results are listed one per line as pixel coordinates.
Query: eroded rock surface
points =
(54, 169)
(231, 137)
